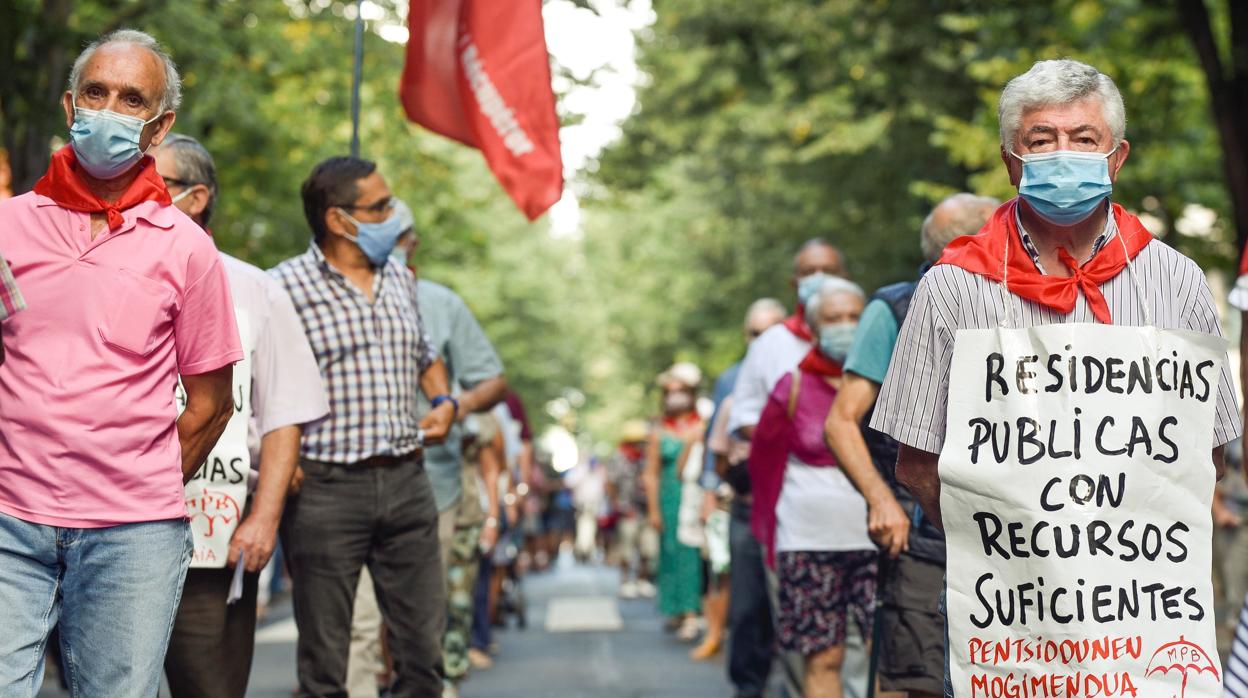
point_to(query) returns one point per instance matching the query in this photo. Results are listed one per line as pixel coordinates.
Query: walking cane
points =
(877, 620)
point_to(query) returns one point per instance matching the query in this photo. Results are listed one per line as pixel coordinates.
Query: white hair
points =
(961, 214)
(1057, 82)
(765, 305)
(170, 99)
(831, 286)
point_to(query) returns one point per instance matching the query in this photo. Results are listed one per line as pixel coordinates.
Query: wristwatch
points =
(437, 401)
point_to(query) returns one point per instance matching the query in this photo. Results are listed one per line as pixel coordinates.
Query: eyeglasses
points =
(171, 182)
(379, 207)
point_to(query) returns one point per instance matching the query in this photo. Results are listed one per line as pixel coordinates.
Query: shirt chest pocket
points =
(138, 315)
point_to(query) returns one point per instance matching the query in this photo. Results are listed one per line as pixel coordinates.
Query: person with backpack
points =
(911, 630)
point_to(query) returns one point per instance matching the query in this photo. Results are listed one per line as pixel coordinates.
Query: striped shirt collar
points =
(1111, 229)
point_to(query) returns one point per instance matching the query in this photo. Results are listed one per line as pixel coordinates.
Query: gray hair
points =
(195, 166)
(959, 214)
(831, 286)
(765, 305)
(1056, 82)
(170, 100)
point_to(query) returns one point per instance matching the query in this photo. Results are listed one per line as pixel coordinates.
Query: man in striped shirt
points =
(1066, 111)
(365, 497)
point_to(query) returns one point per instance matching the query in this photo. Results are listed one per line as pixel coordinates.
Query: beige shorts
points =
(635, 537)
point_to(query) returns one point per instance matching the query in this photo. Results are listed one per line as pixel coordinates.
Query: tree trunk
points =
(1228, 97)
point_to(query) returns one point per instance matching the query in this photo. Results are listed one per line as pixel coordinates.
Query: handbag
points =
(689, 529)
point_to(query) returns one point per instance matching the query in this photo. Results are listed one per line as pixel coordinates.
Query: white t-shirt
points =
(286, 387)
(1239, 293)
(819, 509)
(775, 353)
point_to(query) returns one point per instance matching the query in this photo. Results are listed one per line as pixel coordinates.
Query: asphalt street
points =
(581, 642)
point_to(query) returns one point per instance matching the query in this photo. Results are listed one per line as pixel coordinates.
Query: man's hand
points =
(1223, 517)
(296, 482)
(256, 536)
(886, 521)
(489, 536)
(710, 501)
(437, 423)
(656, 521)
(888, 525)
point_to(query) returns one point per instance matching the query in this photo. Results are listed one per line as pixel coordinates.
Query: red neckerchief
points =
(631, 451)
(796, 323)
(678, 423)
(984, 254)
(820, 365)
(1243, 263)
(63, 184)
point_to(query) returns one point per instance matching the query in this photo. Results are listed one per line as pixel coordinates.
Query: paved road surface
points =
(634, 660)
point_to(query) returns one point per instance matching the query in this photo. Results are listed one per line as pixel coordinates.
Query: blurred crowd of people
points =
(728, 505)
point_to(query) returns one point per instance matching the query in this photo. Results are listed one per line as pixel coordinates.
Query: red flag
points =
(477, 71)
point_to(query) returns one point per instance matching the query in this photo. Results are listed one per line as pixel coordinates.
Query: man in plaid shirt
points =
(10, 298)
(364, 497)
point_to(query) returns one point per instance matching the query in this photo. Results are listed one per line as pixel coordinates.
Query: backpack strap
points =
(794, 389)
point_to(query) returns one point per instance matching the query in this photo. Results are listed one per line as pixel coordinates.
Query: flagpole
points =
(355, 81)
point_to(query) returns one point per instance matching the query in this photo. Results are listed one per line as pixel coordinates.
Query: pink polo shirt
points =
(87, 415)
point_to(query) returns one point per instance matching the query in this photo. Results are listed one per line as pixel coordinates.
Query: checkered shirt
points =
(371, 357)
(11, 299)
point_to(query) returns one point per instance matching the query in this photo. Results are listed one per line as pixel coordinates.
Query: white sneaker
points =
(628, 590)
(646, 589)
(688, 631)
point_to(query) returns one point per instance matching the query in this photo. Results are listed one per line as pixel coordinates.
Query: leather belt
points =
(386, 461)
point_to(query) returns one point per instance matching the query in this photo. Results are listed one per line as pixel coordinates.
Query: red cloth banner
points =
(477, 71)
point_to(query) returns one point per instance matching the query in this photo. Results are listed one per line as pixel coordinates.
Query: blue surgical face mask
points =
(1066, 186)
(835, 340)
(106, 143)
(808, 285)
(377, 240)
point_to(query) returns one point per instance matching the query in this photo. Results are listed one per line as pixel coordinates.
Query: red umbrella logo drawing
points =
(1184, 657)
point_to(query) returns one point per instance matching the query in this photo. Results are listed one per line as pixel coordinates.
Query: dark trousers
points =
(211, 646)
(346, 517)
(751, 638)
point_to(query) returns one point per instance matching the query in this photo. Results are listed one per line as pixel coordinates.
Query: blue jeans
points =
(113, 591)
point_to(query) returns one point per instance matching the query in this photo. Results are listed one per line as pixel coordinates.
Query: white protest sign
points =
(1076, 485)
(217, 495)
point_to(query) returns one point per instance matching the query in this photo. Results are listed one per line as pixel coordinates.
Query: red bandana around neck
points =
(63, 184)
(796, 323)
(679, 422)
(820, 365)
(984, 254)
(632, 451)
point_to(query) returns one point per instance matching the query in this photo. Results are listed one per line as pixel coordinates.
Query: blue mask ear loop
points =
(1008, 318)
(1139, 287)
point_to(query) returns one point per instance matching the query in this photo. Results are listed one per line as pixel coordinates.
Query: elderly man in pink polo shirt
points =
(124, 294)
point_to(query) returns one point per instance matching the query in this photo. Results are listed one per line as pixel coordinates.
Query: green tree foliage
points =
(760, 123)
(766, 122)
(267, 90)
